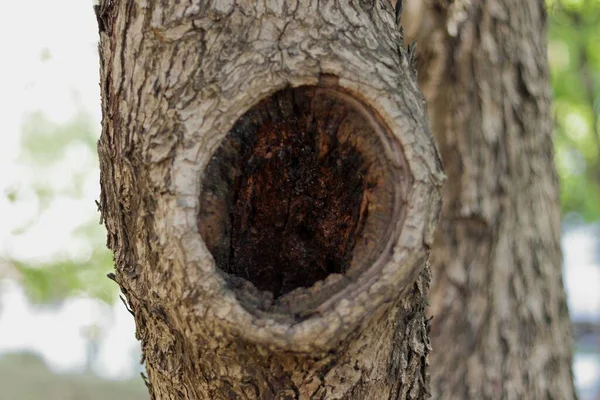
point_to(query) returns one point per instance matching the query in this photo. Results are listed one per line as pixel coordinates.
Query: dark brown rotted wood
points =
(292, 175)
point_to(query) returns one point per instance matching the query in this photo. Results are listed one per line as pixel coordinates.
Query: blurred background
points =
(64, 334)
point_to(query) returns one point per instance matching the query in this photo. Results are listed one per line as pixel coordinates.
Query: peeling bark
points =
(269, 248)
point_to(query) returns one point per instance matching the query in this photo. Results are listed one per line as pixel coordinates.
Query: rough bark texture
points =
(176, 78)
(501, 326)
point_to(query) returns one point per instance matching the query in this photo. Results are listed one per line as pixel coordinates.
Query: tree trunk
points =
(501, 327)
(270, 189)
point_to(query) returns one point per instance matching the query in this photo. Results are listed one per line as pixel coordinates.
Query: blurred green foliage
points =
(58, 279)
(60, 160)
(574, 52)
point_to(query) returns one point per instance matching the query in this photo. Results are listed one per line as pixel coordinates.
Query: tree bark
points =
(501, 327)
(270, 188)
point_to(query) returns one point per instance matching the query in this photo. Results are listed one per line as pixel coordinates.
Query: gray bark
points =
(501, 326)
(196, 97)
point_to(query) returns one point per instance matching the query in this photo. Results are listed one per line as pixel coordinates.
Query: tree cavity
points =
(288, 197)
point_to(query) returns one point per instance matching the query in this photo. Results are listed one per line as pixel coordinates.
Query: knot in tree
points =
(300, 189)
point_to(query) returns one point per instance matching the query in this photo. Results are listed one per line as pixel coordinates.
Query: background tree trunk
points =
(270, 189)
(501, 327)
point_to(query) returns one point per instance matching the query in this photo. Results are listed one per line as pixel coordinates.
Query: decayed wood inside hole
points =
(299, 189)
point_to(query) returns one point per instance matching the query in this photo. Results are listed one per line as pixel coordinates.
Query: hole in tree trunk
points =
(299, 189)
